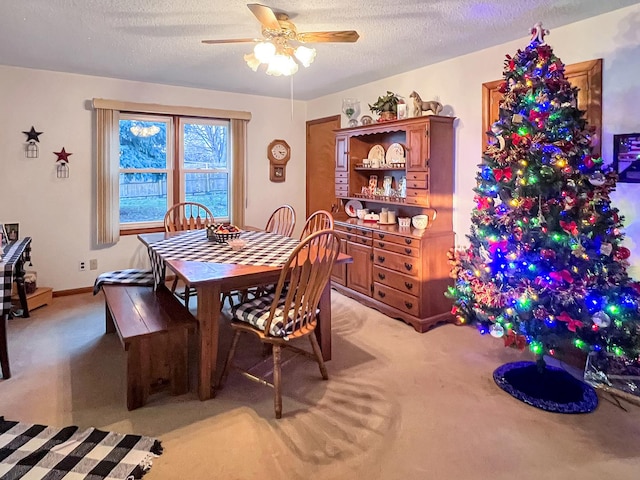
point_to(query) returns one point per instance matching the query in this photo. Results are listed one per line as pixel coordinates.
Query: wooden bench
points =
(153, 327)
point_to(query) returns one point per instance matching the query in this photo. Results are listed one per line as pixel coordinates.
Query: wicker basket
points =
(220, 237)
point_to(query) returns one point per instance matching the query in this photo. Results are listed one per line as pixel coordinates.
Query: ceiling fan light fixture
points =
(282, 65)
(264, 51)
(305, 55)
(252, 61)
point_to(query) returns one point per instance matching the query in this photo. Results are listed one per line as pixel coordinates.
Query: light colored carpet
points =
(398, 405)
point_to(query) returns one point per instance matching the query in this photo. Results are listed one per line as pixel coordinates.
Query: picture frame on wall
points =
(626, 157)
(12, 230)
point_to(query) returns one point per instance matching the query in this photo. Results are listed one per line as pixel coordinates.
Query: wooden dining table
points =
(212, 268)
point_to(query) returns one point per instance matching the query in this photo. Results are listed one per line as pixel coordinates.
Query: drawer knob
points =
(381, 259)
(381, 244)
(407, 241)
(382, 294)
(409, 285)
(407, 251)
(349, 237)
(381, 276)
(363, 240)
(349, 229)
(408, 266)
(408, 304)
(381, 235)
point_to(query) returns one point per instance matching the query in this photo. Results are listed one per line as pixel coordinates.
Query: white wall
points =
(58, 213)
(457, 84)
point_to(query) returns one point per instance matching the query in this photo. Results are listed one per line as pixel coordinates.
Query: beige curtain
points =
(108, 172)
(239, 161)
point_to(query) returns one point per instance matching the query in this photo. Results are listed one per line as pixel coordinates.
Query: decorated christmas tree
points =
(545, 268)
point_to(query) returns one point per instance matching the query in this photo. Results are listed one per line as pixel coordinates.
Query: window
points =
(178, 153)
(157, 171)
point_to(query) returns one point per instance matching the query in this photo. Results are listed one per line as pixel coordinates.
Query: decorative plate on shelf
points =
(395, 154)
(352, 207)
(376, 153)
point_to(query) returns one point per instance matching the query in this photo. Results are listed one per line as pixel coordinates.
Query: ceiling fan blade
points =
(264, 15)
(230, 40)
(337, 36)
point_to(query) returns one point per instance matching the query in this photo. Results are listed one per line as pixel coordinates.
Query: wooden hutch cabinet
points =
(401, 271)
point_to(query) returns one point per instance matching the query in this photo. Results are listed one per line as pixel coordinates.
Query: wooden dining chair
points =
(186, 216)
(290, 312)
(319, 220)
(282, 221)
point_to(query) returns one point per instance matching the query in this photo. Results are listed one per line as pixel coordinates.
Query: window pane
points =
(143, 144)
(143, 197)
(205, 146)
(210, 189)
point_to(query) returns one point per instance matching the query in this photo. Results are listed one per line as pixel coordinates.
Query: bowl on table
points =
(237, 244)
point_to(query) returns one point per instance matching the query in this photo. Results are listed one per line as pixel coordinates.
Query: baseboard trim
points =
(73, 291)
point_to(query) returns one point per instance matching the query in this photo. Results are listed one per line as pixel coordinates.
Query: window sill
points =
(137, 231)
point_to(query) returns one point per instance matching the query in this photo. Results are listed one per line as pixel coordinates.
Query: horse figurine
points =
(419, 106)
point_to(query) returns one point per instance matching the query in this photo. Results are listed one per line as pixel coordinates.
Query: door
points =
(586, 76)
(359, 272)
(321, 164)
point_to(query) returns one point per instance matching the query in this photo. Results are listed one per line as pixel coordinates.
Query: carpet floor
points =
(398, 405)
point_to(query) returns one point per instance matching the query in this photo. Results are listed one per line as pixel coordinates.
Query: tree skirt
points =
(553, 390)
(40, 452)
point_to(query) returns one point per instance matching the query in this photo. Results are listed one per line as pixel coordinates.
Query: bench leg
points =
(109, 325)
(178, 361)
(138, 372)
(4, 351)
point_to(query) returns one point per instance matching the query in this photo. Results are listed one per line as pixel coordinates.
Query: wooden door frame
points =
(333, 118)
(593, 109)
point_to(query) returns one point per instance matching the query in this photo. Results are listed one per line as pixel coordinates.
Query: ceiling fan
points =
(275, 49)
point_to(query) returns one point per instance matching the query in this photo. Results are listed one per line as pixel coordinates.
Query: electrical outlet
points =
(93, 264)
(82, 266)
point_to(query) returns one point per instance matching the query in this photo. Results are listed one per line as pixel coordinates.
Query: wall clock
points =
(279, 153)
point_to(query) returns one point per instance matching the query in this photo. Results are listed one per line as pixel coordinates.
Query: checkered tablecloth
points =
(262, 249)
(11, 253)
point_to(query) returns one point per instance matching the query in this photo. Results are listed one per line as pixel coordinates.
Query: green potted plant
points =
(386, 106)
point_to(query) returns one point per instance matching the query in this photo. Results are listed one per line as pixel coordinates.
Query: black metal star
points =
(33, 135)
(63, 156)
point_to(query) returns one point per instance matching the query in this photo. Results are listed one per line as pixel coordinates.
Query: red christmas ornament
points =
(588, 161)
(548, 254)
(622, 253)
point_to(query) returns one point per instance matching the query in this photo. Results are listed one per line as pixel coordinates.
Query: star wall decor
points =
(32, 135)
(63, 156)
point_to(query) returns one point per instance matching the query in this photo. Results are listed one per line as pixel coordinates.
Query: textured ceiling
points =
(158, 41)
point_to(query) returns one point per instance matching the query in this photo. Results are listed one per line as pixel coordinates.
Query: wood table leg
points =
(323, 330)
(208, 317)
(4, 352)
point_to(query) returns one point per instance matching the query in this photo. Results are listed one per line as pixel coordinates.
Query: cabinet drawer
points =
(342, 190)
(417, 176)
(397, 262)
(421, 184)
(398, 239)
(342, 175)
(360, 240)
(399, 281)
(394, 298)
(364, 232)
(417, 197)
(342, 181)
(398, 248)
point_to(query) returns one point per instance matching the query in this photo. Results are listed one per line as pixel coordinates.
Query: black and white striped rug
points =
(39, 452)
